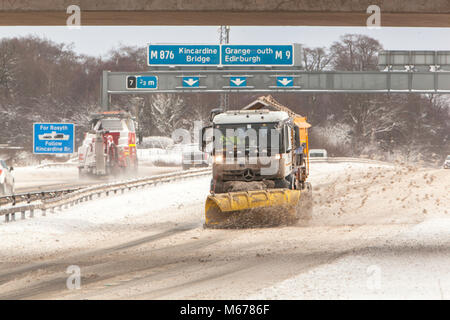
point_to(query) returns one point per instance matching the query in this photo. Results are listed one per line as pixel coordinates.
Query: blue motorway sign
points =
(142, 82)
(238, 81)
(257, 55)
(183, 55)
(53, 138)
(191, 82)
(224, 54)
(285, 82)
(146, 82)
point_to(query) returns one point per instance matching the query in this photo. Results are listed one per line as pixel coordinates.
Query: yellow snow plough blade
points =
(249, 208)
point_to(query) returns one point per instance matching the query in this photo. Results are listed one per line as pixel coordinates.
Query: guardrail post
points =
(43, 212)
(13, 216)
(22, 215)
(32, 213)
(6, 218)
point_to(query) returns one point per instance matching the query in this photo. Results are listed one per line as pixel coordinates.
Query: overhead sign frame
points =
(423, 79)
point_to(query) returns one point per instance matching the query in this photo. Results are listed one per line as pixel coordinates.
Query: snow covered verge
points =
(157, 156)
(88, 224)
(414, 264)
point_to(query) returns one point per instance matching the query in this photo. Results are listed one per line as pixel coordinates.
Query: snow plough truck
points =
(260, 166)
(109, 147)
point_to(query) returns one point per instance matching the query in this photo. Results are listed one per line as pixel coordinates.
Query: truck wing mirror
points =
(202, 143)
(213, 113)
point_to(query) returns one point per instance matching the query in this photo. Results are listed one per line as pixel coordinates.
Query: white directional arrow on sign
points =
(190, 82)
(285, 81)
(238, 81)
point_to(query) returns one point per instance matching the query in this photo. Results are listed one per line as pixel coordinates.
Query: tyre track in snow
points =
(92, 259)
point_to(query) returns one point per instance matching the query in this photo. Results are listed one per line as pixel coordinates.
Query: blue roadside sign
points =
(53, 138)
(285, 82)
(257, 55)
(238, 81)
(183, 55)
(191, 82)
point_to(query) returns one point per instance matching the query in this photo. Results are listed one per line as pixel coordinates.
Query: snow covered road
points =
(377, 232)
(35, 178)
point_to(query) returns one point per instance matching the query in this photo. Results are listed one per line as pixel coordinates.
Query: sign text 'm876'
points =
(183, 55)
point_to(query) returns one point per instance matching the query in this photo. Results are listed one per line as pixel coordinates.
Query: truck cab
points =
(254, 145)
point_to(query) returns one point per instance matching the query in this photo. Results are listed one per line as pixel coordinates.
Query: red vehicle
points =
(109, 147)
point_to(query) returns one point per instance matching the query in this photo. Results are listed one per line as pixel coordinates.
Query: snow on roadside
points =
(89, 222)
(413, 265)
(318, 170)
(400, 269)
(33, 176)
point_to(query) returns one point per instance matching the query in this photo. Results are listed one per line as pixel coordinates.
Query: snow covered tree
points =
(167, 113)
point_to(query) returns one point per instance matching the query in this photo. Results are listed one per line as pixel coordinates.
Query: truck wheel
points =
(218, 187)
(291, 181)
(282, 184)
(305, 208)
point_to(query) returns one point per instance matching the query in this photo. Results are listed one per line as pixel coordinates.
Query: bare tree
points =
(316, 59)
(355, 52)
(8, 64)
(167, 113)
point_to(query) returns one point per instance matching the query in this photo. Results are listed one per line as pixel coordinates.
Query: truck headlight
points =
(218, 158)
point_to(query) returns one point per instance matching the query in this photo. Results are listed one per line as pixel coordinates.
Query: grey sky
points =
(99, 40)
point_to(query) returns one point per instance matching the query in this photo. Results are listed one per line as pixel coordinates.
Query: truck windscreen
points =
(259, 138)
(111, 124)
